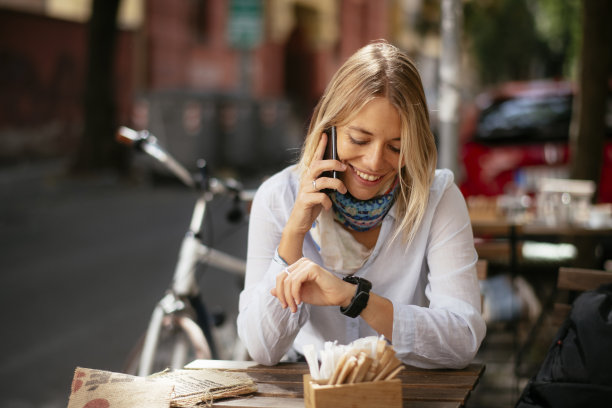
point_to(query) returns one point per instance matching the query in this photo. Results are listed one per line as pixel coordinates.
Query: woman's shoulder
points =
(443, 186)
(443, 179)
(280, 184)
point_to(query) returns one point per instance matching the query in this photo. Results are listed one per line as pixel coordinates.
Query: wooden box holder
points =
(383, 394)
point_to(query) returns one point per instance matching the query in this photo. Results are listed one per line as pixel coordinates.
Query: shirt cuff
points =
(278, 259)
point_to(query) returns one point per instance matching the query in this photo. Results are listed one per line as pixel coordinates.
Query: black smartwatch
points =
(360, 300)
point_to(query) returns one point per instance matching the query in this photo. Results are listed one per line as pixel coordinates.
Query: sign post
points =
(244, 32)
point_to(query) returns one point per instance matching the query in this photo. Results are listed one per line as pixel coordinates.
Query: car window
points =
(526, 119)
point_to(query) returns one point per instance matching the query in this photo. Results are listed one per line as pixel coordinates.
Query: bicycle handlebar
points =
(145, 141)
(148, 143)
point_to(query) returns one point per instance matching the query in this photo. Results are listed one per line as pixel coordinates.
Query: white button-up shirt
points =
(432, 283)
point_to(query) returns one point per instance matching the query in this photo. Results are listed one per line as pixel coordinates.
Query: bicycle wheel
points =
(205, 322)
(180, 341)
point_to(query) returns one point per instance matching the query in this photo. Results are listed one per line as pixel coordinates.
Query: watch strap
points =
(360, 300)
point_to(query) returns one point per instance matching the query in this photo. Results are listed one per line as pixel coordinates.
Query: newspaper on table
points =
(180, 388)
(203, 385)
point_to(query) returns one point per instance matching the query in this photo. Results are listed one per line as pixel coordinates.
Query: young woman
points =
(387, 249)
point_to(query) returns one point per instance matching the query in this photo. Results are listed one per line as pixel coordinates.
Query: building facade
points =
(179, 70)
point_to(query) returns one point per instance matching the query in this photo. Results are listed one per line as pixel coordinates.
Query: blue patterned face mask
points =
(362, 215)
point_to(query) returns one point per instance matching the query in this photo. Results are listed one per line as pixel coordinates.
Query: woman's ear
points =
(402, 162)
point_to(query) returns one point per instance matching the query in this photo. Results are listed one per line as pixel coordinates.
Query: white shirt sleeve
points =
(448, 333)
(266, 329)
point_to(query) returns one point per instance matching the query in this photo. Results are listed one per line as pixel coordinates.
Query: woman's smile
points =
(367, 179)
(366, 176)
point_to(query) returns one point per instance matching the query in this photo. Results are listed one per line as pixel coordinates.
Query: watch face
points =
(356, 280)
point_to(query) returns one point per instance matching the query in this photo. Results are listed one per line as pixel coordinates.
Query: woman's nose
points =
(374, 157)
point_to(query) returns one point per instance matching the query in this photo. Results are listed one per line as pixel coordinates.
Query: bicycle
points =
(180, 326)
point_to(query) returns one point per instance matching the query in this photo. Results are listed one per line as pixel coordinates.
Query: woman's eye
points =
(394, 149)
(357, 141)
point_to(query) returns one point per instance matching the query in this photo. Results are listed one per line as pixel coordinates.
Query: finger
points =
(334, 165)
(315, 200)
(303, 274)
(292, 287)
(314, 185)
(279, 278)
(287, 294)
(297, 280)
(320, 152)
(331, 183)
(280, 288)
(326, 203)
(311, 199)
(293, 283)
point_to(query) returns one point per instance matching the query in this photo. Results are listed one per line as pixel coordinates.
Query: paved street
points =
(82, 263)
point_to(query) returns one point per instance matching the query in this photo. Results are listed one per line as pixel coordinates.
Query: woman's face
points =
(370, 146)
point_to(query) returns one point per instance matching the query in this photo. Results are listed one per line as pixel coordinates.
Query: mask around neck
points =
(363, 215)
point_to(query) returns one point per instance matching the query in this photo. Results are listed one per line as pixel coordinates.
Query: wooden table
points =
(282, 386)
(583, 237)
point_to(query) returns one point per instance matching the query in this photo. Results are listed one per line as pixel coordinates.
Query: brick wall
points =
(42, 78)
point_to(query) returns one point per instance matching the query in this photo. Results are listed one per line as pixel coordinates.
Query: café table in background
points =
(497, 237)
(282, 385)
(504, 237)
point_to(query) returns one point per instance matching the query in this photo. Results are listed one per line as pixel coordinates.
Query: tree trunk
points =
(587, 131)
(97, 149)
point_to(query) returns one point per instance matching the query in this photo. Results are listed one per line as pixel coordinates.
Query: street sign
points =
(245, 26)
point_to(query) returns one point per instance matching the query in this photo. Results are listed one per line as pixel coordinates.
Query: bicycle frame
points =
(192, 253)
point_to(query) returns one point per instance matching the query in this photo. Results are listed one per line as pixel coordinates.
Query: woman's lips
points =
(370, 178)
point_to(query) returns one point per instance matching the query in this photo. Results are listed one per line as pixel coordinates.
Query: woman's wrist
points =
(290, 246)
(349, 293)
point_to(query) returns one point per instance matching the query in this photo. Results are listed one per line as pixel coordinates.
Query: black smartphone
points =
(331, 151)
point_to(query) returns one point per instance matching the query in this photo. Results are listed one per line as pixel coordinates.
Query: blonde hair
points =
(382, 70)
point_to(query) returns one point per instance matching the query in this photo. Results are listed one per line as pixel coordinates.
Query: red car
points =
(518, 133)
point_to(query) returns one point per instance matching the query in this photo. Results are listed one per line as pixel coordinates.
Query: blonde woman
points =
(386, 249)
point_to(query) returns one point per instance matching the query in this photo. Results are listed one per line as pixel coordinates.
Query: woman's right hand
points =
(305, 281)
(309, 202)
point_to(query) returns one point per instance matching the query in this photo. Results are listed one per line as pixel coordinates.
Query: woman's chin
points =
(363, 194)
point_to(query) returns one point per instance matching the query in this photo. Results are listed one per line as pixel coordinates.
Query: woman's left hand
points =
(305, 281)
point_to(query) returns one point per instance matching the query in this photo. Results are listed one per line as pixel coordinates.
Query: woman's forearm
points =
(290, 246)
(379, 315)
